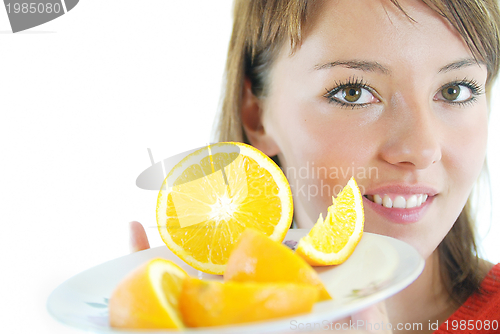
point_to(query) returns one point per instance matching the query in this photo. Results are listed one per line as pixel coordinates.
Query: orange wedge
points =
(332, 241)
(256, 258)
(210, 303)
(148, 297)
(215, 193)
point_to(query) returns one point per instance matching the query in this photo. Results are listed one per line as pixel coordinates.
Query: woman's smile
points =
(399, 201)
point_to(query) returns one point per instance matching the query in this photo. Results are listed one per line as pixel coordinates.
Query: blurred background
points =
(82, 98)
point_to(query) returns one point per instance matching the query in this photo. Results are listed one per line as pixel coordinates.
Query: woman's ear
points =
(251, 118)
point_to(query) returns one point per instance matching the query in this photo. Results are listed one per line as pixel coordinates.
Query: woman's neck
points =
(422, 303)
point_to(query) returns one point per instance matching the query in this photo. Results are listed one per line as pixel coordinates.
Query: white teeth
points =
(399, 202)
(412, 202)
(387, 202)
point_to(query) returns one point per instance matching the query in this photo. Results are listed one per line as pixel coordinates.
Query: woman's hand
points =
(138, 238)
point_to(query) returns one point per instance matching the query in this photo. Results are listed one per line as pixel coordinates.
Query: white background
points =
(81, 100)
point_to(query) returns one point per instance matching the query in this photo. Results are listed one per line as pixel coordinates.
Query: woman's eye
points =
(455, 93)
(354, 95)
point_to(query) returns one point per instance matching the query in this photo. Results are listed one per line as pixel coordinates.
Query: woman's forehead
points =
(377, 31)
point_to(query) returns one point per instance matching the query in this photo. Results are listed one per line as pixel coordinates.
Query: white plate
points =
(379, 267)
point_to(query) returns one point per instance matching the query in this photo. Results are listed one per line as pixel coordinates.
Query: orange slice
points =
(148, 297)
(332, 241)
(213, 194)
(257, 258)
(210, 303)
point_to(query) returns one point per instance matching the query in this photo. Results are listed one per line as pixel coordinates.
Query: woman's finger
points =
(138, 238)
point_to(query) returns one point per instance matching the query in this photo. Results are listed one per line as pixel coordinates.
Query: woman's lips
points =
(399, 208)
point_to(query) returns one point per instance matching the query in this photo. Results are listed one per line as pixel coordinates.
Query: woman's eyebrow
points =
(373, 66)
(367, 66)
(456, 65)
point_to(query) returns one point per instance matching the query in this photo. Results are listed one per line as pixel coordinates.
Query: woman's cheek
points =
(466, 148)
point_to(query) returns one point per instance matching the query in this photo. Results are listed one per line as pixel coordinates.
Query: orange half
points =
(211, 196)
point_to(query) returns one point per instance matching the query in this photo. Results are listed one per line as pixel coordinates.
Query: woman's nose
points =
(413, 136)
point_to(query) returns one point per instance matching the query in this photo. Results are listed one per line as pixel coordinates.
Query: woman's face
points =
(397, 104)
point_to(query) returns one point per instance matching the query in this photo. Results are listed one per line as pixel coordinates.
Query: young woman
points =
(398, 88)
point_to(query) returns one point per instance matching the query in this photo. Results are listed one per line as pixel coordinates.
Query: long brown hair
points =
(260, 29)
